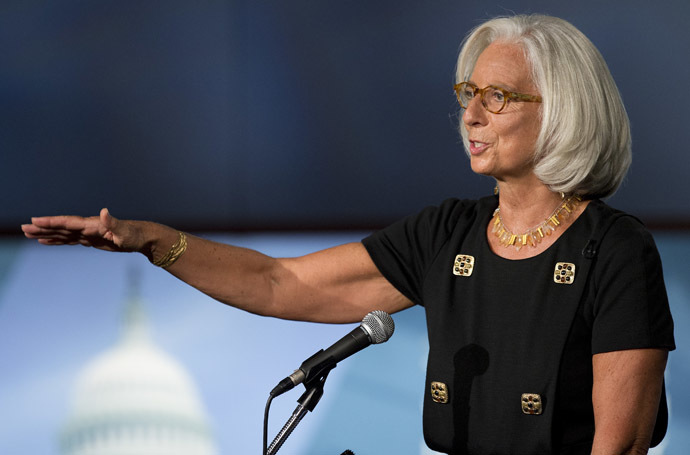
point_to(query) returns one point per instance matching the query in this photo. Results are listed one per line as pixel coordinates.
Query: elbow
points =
(639, 446)
(275, 300)
(636, 446)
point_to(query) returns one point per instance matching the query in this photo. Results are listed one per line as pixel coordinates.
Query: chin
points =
(479, 168)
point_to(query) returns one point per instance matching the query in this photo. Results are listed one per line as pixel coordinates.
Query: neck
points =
(525, 206)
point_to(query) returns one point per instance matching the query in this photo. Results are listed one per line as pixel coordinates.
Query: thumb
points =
(108, 222)
(106, 217)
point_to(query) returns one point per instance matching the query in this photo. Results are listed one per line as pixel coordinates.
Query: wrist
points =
(163, 245)
(174, 253)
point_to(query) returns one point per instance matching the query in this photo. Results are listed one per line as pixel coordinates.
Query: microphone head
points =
(379, 326)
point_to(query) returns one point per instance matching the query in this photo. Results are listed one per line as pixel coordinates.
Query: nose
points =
(475, 114)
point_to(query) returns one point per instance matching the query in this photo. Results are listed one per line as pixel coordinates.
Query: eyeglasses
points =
(494, 99)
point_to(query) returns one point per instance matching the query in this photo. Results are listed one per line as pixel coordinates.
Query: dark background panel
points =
(301, 115)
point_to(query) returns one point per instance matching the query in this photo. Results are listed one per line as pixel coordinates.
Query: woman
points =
(548, 320)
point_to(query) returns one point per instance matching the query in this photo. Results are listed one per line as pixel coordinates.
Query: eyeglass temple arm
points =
(523, 97)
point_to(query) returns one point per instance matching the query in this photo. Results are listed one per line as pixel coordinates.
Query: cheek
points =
(520, 134)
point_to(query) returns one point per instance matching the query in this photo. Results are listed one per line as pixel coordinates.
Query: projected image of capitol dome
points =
(134, 399)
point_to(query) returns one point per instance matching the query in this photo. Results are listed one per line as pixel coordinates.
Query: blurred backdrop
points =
(285, 126)
(301, 114)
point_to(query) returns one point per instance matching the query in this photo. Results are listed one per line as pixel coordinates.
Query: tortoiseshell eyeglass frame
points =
(507, 95)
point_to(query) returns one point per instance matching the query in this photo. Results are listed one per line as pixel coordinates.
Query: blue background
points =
(224, 116)
(60, 307)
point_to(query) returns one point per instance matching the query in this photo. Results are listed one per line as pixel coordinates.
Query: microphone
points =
(376, 327)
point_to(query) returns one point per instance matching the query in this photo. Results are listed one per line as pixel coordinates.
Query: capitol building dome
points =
(134, 399)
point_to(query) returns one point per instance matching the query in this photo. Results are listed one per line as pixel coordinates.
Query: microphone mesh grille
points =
(379, 325)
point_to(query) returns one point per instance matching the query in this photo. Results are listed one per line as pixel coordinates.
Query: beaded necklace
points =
(532, 237)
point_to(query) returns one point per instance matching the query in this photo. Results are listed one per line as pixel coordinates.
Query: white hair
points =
(583, 146)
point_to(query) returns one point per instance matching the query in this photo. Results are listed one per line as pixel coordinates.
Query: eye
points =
(496, 95)
(467, 92)
(494, 99)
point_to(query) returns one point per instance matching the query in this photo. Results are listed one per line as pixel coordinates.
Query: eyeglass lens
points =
(493, 98)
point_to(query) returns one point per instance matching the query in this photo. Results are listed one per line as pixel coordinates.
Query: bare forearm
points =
(337, 285)
(236, 276)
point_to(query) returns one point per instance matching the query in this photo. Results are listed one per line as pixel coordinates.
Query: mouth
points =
(477, 147)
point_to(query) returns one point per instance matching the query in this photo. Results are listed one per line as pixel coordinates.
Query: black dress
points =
(511, 341)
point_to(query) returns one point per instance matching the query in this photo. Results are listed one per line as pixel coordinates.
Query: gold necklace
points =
(534, 236)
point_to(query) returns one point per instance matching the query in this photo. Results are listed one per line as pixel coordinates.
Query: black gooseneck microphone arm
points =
(377, 327)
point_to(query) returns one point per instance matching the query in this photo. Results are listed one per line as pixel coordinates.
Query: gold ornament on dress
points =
(533, 237)
(531, 403)
(439, 392)
(463, 265)
(564, 273)
(174, 253)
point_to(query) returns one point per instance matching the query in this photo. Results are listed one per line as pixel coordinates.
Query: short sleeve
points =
(404, 250)
(630, 308)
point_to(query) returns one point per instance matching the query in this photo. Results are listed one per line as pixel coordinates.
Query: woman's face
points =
(502, 145)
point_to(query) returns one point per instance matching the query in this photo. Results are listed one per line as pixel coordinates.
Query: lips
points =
(477, 147)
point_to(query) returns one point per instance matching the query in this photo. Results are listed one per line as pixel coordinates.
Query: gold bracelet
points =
(174, 254)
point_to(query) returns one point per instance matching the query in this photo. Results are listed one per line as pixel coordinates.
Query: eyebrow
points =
(503, 86)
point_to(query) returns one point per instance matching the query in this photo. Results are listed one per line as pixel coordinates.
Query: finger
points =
(54, 242)
(29, 228)
(32, 231)
(106, 224)
(112, 229)
(109, 222)
(105, 216)
(54, 221)
(58, 238)
(73, 223)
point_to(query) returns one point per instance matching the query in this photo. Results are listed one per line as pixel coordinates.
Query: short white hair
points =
(584, 142)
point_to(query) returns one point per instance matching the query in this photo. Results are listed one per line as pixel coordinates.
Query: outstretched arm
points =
(337, 285)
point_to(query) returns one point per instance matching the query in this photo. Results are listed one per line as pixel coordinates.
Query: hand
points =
(104, 232)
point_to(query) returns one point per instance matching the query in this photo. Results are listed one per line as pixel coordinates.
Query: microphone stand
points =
(313, 383)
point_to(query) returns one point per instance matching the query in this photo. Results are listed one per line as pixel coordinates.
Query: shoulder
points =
(433, 225)
(625, 247)
(404, 251)
(425, 232)
(619, 231)
(601, 212)
(454, 212)
(630, 305)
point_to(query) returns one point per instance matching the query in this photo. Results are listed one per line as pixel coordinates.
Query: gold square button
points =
(531, 403)
(439, 392)
(463, 265)
(564, 273)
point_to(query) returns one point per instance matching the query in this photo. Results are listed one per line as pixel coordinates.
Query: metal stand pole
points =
(307, 402)
(293, 421)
